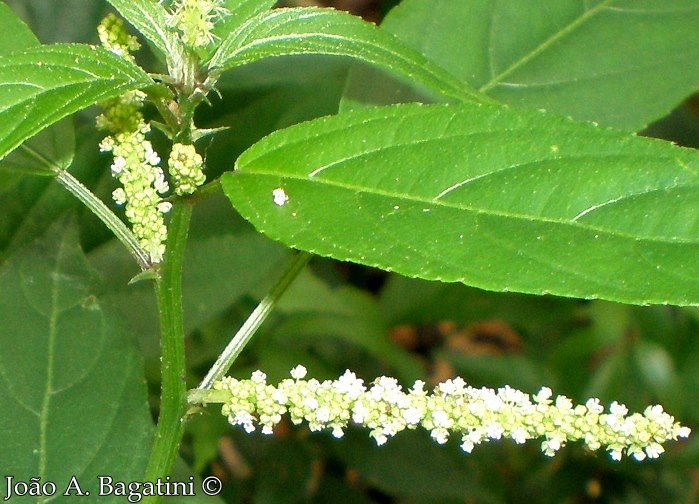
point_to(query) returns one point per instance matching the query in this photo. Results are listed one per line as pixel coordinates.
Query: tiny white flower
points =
(164, 207)
(467, 445)
(441, 418)
(258, 377)
(379, 437)
(618, 409)
(564, 403)
(638, 454)
(412, 416)
(299, 372)
(654, 450)
(440, 435)
(119, 196)
(118, 165)
(151, 156)
(519, 435)
(594, 406)
(543, 395)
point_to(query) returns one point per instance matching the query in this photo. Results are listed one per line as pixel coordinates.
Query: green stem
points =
(103, 213)
(92, 202)
(170, 428)
(296, 263)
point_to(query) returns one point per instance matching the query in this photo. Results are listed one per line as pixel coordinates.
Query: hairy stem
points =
(296, 263)
(103, 213)
(168, 287)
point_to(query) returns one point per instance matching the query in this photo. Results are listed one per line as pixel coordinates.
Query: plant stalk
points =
(168, 286)
(103, 213)
(296, 263)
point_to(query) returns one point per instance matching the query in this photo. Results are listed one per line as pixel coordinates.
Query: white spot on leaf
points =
(279, 196)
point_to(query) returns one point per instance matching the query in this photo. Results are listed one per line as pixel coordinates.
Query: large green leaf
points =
(42, 85)
(490, 196)
(283, 32)
(623, 63)
(71, 377)
(52, 148)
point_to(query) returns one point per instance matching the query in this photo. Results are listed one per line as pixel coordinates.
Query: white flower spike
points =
(478, 415)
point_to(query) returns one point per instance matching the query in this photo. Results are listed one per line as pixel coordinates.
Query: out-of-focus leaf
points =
(657, 371)
(412, 464)
(284, 32)
(489, 196)
(518, 371)
(239, 12)
(622, 63)
(64, 21)
(42, 85)
(74, 400)
(268, 95)
(410, 300)
(316, 313)
(284, 474)
(16, 35)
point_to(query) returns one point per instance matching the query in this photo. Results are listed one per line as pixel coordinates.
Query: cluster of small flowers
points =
(143, 184)
(477, 414)
(195, 19)
(114, 37)
(135, 163)
(185, 168)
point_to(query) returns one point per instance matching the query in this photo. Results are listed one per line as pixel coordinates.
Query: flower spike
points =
(478, 415)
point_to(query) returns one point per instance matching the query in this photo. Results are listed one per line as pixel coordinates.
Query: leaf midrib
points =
(451, 206)
(50, 355)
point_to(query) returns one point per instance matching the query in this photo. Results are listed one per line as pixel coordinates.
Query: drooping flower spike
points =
(477, 415)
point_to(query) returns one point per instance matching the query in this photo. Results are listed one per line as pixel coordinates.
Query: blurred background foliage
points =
(338, 316)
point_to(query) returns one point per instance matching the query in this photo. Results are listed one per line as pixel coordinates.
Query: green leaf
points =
(412, 464)
(268, 95)
(53, 148)
(149, 18)
(16, 35)
(657, 372)
(72, 389)
(316, 312)
(623, 63)
(240, 11)
(497, 198)
(45, 153)
(64, 21)
(45, 84)
(283, 32)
